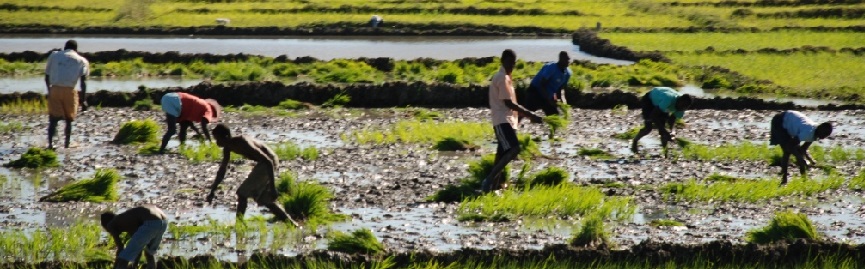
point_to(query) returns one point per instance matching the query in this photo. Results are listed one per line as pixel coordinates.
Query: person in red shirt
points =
(186, 109)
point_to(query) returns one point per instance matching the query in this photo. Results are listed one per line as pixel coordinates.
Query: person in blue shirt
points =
(548, 86)
(787, 130)
(661, 106)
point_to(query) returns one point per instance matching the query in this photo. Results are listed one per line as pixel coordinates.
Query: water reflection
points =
(37, 84)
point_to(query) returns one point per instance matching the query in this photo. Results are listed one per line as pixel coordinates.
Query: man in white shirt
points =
(787, 130)
(63, 70)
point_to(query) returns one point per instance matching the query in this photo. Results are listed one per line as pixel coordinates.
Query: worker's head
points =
(71, 44)
(106, 218)
(509, 60)
(684, 102)
(823, 130)
(564, 60)
(221, 133)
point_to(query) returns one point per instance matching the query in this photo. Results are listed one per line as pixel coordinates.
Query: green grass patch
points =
(454, 144)
(563, 200)
(100, 188)
(424, 132)
(292, 104)
(749, 190)
(592, 233)
(734, 40)
(596, 154)
(550, 176)
(469, 186)
(529, 148)
(338, 100)
(145, 104)
(665, 223)
(858, 182)
(306, 201)
(149, 148)
(80, 242)
(425, 114)
(555, 123)
(35, 158)
(722, 178)
(137, 131)
(204, 152)
(289, 151)
(749, 151)
(11, 127)
(360, 241)
(629, 134)
(25, 107)
(784, 225)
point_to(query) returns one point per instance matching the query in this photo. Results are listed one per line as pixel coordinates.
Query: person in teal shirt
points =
(661, 107)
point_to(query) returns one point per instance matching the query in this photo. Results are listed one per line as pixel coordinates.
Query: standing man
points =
(145, 224)
(661, 106)
(260, 184)
(505, 111)
(187, 108)
(788, 129)
(63, 70)
(548, 86)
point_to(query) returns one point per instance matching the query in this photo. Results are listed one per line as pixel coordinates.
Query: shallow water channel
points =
(383, 187)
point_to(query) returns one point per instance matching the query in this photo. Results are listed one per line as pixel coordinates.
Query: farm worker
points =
(788, 129)
(145, 226)
(260, 184)
(661, 106)
(548, 86)
(186, 108)
(65, 69)
(505, 111)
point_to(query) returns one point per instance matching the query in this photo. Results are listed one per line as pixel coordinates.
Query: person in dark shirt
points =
(146, 224)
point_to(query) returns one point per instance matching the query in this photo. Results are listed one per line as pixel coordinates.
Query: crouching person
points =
(146, 224)
(788, 129)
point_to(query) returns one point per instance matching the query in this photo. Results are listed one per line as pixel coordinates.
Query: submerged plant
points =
(563, 200)
(100, 188)
(137, 131)
(359, 241)
(785, 225)
(555, 123)
(592, 233)
(35, 158)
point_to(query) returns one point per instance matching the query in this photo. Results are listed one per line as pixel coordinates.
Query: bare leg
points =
(52, 130)
(280, 214)
(68, 132)
(635, 146)
(499, 166)
(241, 206)
(785, 160)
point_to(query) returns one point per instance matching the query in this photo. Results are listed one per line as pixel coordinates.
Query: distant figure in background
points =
(63, 70)
(787, 130)
(376, 21)
(185, 109)
(145, 226)
(661, 107)
(548, 86)
(505, 111)
(260, 184)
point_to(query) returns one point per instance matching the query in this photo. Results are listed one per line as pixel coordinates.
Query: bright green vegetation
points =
(453, 144)
(763, 152)
(555, 123)
(858, 182)
(292, 104)
(563, 200)
(592, 233)
(529, 149)
(289, 151)
(665, 223)
(35, 158)
(596, 154)
(469, 186)
(338, 100)
(11, 127)
(670, 42)
(257, 110)
(749, 190)
(100, 188)
(204, 152)
(25, 107)
(145, 104)
(629, 134)
(306, 201)
(426, 132)
(77, 243)
(721, 178)
(137, 131)
(550, 176)
(149, 148)
(360, 241)
(425, 114)
(784, 225)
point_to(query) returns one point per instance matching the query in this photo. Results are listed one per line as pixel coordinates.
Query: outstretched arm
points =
(523, 111)
(804, 150)
(204, 123)
(220, 174)
(171, 121)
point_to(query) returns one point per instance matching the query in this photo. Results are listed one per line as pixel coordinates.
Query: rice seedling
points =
(555, 123)
(137, 131)
(306, 201)
(426, 114)
(784, 226)
(729, 151)
(665, 223)
(100, 188)
(629, 134)
(563, 200)
(595, 154)
(749, 190)
(454, 144)
(721, 178)
(338, 100)
(529, 149)
(733, 40)
(204, 152)
(292, 104)
(360, 241)
(145, 104)
(592, 233)
(289, 151)
(565, 109)
(35, 158)
(11, 127)
(550, 176)
(80, 242)
(424, 132)
(149, 149)
(469, 186)
(25, 107)
(858, 182)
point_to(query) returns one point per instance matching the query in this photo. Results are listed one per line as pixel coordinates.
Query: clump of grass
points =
(564, 200)
(629, 134)
(137, 131)
(785, 225)
(292, 104)
(338, 100)
(100, 188)
(81, 242)
(596, 154)
(555, 123)
(290, 151)
(9, 127)
(454, 144)
(145, 104)
(469, 186)
(416, 131)
(748, 190)
(858, 182)
(683, 143)
(35, 158)
(498, 217)
(721, 178)
(565, 109)
(620, 110)
(204, 152)
(149, 149)
(729, 151)
(529, 149)
(665, 223)
(309, 154)
(359, 241)
(592, 233)
(551, 176)
(306, 201)
(25, 107)
(426, 114)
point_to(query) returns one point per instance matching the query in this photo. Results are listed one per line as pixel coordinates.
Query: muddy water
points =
(383, 187)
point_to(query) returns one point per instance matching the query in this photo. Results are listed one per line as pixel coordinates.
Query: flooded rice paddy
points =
(383, 187)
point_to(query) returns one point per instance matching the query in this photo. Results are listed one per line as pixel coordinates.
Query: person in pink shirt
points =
(184, 108)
